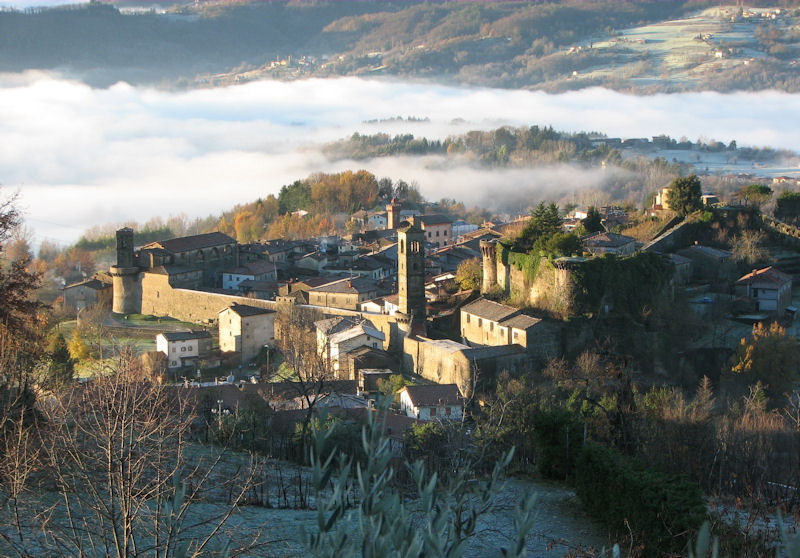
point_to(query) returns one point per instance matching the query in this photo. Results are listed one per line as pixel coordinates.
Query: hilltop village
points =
(547, 332)
(388, 300)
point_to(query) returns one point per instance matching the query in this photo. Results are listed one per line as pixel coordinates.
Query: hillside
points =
(642, 46)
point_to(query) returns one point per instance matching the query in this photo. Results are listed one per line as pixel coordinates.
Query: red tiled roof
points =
(766, 275)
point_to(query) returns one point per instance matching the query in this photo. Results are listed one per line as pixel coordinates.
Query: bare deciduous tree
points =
(124, 471)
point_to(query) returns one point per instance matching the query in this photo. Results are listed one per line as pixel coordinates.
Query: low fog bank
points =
(81, 156)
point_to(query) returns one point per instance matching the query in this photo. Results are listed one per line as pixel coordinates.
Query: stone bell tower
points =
(411, 278)
(393, 214)
(125, 276)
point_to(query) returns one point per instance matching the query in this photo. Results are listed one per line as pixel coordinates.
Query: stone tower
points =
(393, 214)
(411, 278)
(489, 267)
(125, 276)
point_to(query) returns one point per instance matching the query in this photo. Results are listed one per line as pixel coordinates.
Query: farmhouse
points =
(769, 289)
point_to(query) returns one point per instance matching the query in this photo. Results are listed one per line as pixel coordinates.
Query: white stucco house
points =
(261, 270)
(432, 402)
(183, 347)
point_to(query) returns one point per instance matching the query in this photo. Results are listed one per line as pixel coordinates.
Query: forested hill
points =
(550, 45)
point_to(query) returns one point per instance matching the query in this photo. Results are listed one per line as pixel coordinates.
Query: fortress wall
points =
(443, 365)
(159, 298)
(432, 363)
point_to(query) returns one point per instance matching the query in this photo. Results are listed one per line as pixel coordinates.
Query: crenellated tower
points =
(489, 265)
(411, 278)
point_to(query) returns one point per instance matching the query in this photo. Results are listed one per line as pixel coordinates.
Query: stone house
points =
(343, 293)
(438, 229)
(769, 289)
(377, 220)
(432, 402)
(708, 264)
(683, 268)
(245, 329)
(183, 348)
(484, 322)
(315, 261)
(88, 293)
(260, 270)
(601, 243)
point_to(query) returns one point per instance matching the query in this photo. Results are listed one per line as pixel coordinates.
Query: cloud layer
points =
(81, 156)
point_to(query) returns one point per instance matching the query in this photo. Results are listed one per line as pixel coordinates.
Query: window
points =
(433, 411)
(445, 233)
(183, 349)
(467, 318)
(430, 234)
(447, 411)
(480, 322)
(437, 233)
(374, 345)
(402, 246)
(491, 326)
(174, 349)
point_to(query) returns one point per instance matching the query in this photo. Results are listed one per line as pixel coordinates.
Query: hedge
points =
(662, 511)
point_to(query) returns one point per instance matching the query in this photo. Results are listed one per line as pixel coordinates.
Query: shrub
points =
(661, 511)
(559, 438)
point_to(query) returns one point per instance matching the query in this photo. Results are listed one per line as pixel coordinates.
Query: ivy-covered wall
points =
(582, 287)
(631, 283)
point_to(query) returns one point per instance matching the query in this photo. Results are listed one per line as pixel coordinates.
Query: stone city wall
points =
(159, 298)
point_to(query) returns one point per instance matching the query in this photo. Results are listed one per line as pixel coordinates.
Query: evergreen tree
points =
(684, 194)
(61, 367)
(593, 222)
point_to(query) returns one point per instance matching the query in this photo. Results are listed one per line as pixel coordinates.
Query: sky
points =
(80, 156)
